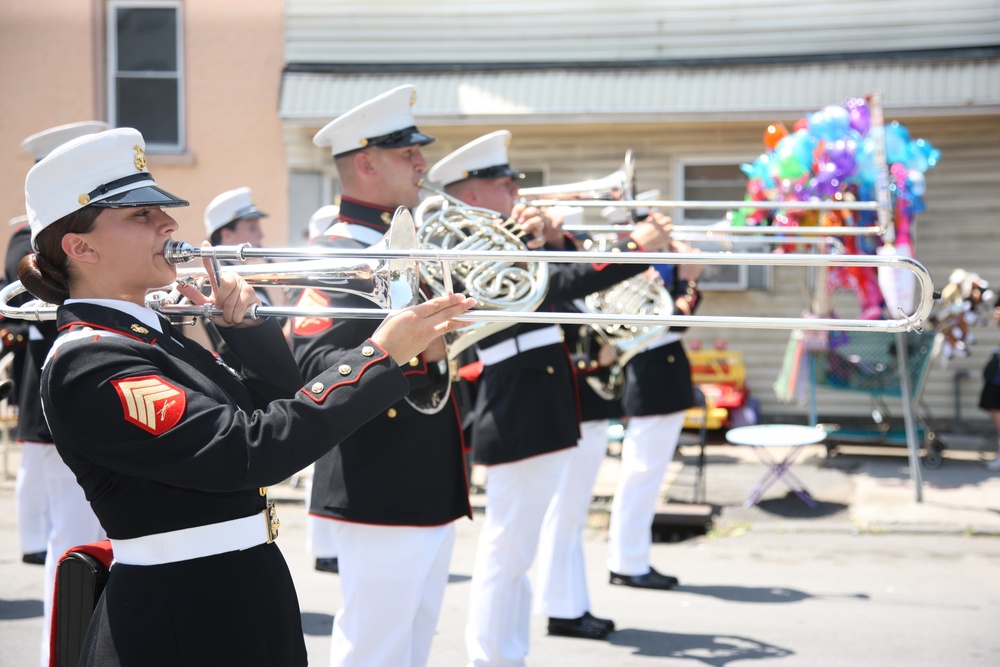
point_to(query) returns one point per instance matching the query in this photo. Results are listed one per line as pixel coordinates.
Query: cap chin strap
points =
(105, 188)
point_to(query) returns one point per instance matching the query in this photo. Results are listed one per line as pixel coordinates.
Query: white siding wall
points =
(524, 31)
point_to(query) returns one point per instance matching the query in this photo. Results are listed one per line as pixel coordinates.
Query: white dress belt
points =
(526, 341)
(196, 542)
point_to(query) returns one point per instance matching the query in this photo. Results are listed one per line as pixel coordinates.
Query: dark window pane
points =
(147, 40)
(714, 182)
(150, 106)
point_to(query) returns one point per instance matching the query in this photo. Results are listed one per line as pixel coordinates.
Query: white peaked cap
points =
(42, 143)
(107, 170)
(385, 121)
(485, 157)
(322, 219)
(228, 207)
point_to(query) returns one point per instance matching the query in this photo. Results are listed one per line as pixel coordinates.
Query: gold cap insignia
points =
(83, 199)
(363, 142)
(413, 98)
(139, 329)
(140, 157)
(386, 217)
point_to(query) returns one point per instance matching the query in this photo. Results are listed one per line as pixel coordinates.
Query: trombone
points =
(618, 189)
(398, 267)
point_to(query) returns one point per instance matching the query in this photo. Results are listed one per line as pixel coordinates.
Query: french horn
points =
(444, 222)
(644, 293)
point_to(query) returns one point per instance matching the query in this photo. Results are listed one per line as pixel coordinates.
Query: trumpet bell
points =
(619, 185)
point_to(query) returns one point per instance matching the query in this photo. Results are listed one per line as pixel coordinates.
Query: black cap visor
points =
(148, 195)
(498, 171)
(409, 136)
(248, 212)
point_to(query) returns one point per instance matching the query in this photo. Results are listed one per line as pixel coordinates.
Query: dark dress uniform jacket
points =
(658, 381)
(526, 405)
(404, 467)
(29, 354)
(194, 456)
(592, 406)
(14, 332)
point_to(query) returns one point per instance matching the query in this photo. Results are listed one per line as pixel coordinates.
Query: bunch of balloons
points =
(828, 155)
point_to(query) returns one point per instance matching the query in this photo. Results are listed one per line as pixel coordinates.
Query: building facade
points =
(232, 92)
(689, 86)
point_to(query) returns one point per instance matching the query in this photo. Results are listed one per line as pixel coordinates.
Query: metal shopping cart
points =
(867, 362)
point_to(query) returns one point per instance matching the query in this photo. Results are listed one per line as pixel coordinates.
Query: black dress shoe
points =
(36, 558)
(327, 565)
(584, 627)
(652, 579)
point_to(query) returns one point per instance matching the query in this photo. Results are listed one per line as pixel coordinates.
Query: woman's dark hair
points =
(45, 273)
(216, 237)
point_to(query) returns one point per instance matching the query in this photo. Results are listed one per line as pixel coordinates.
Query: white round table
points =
(763, 437)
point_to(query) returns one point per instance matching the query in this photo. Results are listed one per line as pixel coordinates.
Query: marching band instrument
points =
(444, 222)
(618, 186)
(639, 294)
(178, 252)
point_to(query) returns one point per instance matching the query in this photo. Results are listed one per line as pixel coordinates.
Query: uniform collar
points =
(361, 213)
(111, 314)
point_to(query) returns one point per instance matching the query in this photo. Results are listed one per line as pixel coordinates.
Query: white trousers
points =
(647, 450)
(392, 580)
(73, 523)
(33, 520)
(321, 540)
(561, 574)
(497, 631)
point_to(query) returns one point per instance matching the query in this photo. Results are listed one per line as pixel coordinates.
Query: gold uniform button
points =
(593, 364)
(670, 358)
(317, 388)
(581, 364)
(367, 351)
(391, 413)
(616, 250)
(414, 361)
(550, 370)
(632, 245)
(344, 370)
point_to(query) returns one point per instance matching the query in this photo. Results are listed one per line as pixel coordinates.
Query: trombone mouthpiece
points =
(178, 252)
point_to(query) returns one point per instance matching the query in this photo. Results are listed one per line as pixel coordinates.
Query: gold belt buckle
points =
(271, 520)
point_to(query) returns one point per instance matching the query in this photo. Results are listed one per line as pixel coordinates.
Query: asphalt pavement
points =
(868, 576)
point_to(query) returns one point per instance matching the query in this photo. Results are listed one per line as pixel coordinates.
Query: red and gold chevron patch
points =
(310, 326)
(151, 403)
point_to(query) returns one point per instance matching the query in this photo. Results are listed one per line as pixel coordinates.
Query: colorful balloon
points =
(830, 123)
(859, 114)
(897, 142)
(773, 134)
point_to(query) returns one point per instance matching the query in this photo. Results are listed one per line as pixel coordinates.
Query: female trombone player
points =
(173, 449)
